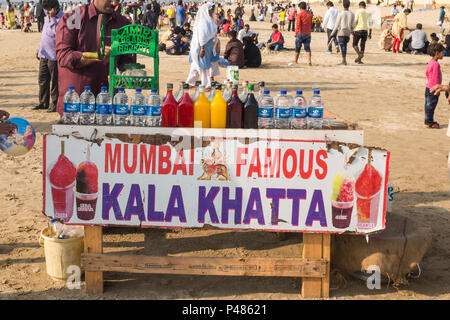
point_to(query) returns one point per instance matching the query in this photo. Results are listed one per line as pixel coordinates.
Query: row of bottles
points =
(86, 109)
(185, 108)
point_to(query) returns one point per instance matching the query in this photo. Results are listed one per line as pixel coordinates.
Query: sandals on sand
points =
(433, 125)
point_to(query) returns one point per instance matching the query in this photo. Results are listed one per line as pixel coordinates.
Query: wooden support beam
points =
(270, 267)
(326, 254)
(93, 243)
(316, 246)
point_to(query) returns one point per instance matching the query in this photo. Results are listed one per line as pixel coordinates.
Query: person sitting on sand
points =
(234, 51)
(252, 54)
(177, 44)
(226, 27)
(386, 40)
(276, 40)
(419, 42)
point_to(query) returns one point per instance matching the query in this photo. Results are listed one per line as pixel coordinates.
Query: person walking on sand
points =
(434, 79)
(329, 22)
(203, 44)
(398, 29)
(345, 23)
(362, 31)
(303, 27)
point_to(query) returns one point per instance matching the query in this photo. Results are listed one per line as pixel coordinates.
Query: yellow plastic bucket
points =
(61, 254)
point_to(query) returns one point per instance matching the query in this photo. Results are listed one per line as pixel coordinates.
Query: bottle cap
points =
(316, 91)
(299, 92)
(154, 90)
(186, 86)
(71, 87)
(201, 88)
(138, 90)
(87, 88)
(169, 86)
(283, 92)
(104, 88)
(53, 221)
(262, 84)
(121, 89)
(182, 82)
(235, 87)
(218, 86)
(266, 91)
(245, 82)
(250, 87)
(197, 83)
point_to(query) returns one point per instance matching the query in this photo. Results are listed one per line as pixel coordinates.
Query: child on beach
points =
(282, 15)
(434, 77)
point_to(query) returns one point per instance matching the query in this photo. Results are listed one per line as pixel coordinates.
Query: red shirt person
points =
(303, 27)
(76, 34)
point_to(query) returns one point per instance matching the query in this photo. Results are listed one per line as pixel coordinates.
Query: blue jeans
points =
(302, 39)
(329, 31)
(431, 102)
(343, 40)
(275, 47)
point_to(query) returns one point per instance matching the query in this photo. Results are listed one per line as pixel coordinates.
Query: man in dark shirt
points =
(75, 35)
(234, 51)
(40, 15)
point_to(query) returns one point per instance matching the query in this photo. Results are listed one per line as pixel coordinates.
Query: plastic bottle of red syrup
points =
(169, 115)
(186, 109)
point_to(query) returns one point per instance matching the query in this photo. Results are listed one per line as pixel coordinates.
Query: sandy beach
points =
(384, 96)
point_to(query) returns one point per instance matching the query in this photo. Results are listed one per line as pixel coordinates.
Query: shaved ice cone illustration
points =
(342, 200)
(368, 187)
(62, 180)
(86, 189)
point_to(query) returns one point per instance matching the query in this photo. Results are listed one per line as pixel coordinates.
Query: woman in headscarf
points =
(203, 46)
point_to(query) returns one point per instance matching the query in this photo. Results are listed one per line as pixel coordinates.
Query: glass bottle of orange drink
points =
(202, 111)
(218, 109)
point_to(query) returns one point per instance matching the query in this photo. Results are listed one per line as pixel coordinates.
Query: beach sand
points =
(385, 96)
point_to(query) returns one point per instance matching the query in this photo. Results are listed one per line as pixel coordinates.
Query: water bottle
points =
(103, 115)
(315, 111)
(299, 111)
(138, 109)
(71, 112)
(283, 105)
(87, 107)
(120, 110)
(265, 111)
(154, 110)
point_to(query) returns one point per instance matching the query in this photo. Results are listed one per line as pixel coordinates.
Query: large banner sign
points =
(282, 184)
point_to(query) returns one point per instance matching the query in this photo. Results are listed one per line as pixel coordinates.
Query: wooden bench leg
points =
(93, 243)
(316, 246)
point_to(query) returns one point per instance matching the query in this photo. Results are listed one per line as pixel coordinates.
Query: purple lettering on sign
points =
(153, 215)
(296, 195)
(254, 213)
(275, 195)
(176, 197)
(316, 210)
(207, 204)
(109, 200)
(138, 209)
(229, 204)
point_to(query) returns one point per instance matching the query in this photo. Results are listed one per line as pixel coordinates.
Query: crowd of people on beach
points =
(194, 29)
